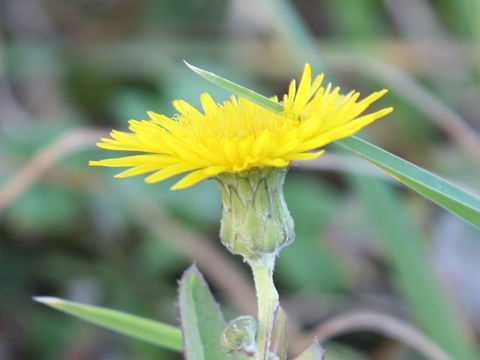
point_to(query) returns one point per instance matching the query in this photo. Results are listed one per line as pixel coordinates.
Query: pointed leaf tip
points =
(47, 300)
(238, 90)
(188, 64)
(195, 69)
(191, 269)
(201, 319)
(313, 352)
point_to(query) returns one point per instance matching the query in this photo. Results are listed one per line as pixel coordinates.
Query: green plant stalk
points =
(267, 299)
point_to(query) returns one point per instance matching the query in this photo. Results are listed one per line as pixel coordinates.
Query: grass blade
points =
(154, 332)
(425, 183)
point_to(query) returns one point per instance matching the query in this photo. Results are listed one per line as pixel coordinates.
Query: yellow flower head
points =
(239, 135)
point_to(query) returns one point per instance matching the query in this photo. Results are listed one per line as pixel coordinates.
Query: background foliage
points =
(71, 70)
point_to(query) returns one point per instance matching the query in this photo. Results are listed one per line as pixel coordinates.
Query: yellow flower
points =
(239, 135)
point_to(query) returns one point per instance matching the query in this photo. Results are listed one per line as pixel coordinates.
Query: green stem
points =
(267, 298)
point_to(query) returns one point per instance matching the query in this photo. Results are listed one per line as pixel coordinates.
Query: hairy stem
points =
(267, 298)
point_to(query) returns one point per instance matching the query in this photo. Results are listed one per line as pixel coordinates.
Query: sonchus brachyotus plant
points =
(247, 149)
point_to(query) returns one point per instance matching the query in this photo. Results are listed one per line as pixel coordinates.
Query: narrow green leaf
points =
(279, 335)
(156, 333)
(313, 352)
(201, 318)
(427, 184)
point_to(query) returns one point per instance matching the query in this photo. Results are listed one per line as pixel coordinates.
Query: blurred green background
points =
(70, 70)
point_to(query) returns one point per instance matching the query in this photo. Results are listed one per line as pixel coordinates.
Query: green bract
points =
(255, 218)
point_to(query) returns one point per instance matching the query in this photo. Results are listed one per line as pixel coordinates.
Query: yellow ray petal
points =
(195, 177)
(139, 170)
(239, 135)
(305, 156)
(170, 171)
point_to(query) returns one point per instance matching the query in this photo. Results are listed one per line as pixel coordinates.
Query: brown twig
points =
(44, 159)
(384, 324)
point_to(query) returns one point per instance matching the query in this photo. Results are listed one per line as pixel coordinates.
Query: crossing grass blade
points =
(422, 181)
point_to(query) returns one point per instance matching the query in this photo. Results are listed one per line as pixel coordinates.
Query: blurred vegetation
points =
(363, 242)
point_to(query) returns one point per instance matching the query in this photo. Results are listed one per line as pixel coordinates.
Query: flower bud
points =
(255, 218)
(239, 335)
